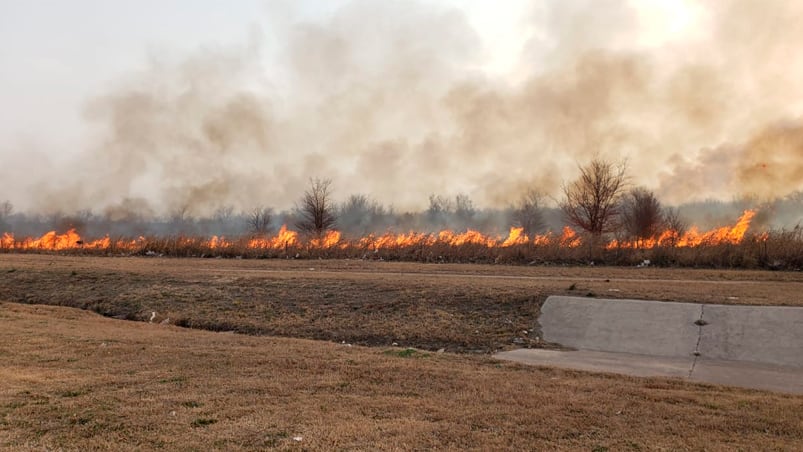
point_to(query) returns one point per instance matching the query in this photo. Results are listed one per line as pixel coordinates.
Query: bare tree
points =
(359, 214)
(642, 214)
(592, 201)
(464, 208)
(223, 214)
(527, 213)
(259, 220)
(6, 209)
(440, 208)
(180, 214)
(77, 221)
(675, 223)
(315, 210)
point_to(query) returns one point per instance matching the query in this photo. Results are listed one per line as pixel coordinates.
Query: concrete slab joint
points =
(757, 346)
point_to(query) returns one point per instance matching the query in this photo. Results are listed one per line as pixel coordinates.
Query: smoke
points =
(392, 99)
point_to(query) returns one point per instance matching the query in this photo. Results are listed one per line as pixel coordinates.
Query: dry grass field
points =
(74, 380)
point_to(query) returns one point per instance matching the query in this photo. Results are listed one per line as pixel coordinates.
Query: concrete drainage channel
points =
(748, 346)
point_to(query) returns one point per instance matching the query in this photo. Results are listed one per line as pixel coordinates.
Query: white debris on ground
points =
(644, 263)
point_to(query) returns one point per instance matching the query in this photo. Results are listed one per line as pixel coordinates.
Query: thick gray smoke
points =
(390, 99)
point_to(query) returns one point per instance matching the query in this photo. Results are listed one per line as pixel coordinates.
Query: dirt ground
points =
(460, 308)
(73, 380)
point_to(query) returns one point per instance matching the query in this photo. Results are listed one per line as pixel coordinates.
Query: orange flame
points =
(693, 237)
(515, 237)
(330, 239)
(285, 239)
(569, 238)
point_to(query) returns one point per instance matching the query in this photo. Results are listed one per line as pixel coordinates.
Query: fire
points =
(329, 240)
(7, 241)
(693, 237)
(286, 239)
(283, 239)
(390, 240)
(569, 238)
(515, 237)
(470, 237)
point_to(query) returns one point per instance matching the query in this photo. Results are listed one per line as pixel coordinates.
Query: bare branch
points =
(642, 214)
(592, 201)
(527, 213)
(316, 208)
(259, 220)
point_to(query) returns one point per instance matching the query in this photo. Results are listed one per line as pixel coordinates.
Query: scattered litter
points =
(311, 269)
(395, 344)
(103, 344)
(153, 316)
(614, 290)
(172, 413)
(644, 263)
(298, 438)
(165, 321)
(441, 350)
(733, 298)
(525, 332)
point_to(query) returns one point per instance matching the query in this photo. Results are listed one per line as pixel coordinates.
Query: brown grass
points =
(479, 308)
(73, 380)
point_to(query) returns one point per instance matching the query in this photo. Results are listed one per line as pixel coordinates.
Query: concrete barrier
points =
(762, 334)
(628, 326)
(759, 334)
(750, 346)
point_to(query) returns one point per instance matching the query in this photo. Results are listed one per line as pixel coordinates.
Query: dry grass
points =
(73, 380)
(462, 308)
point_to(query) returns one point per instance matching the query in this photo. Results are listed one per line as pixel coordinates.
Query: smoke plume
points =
(392, 99)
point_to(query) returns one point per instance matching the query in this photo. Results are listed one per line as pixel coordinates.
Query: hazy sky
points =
(57, 54)
(202, 103)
